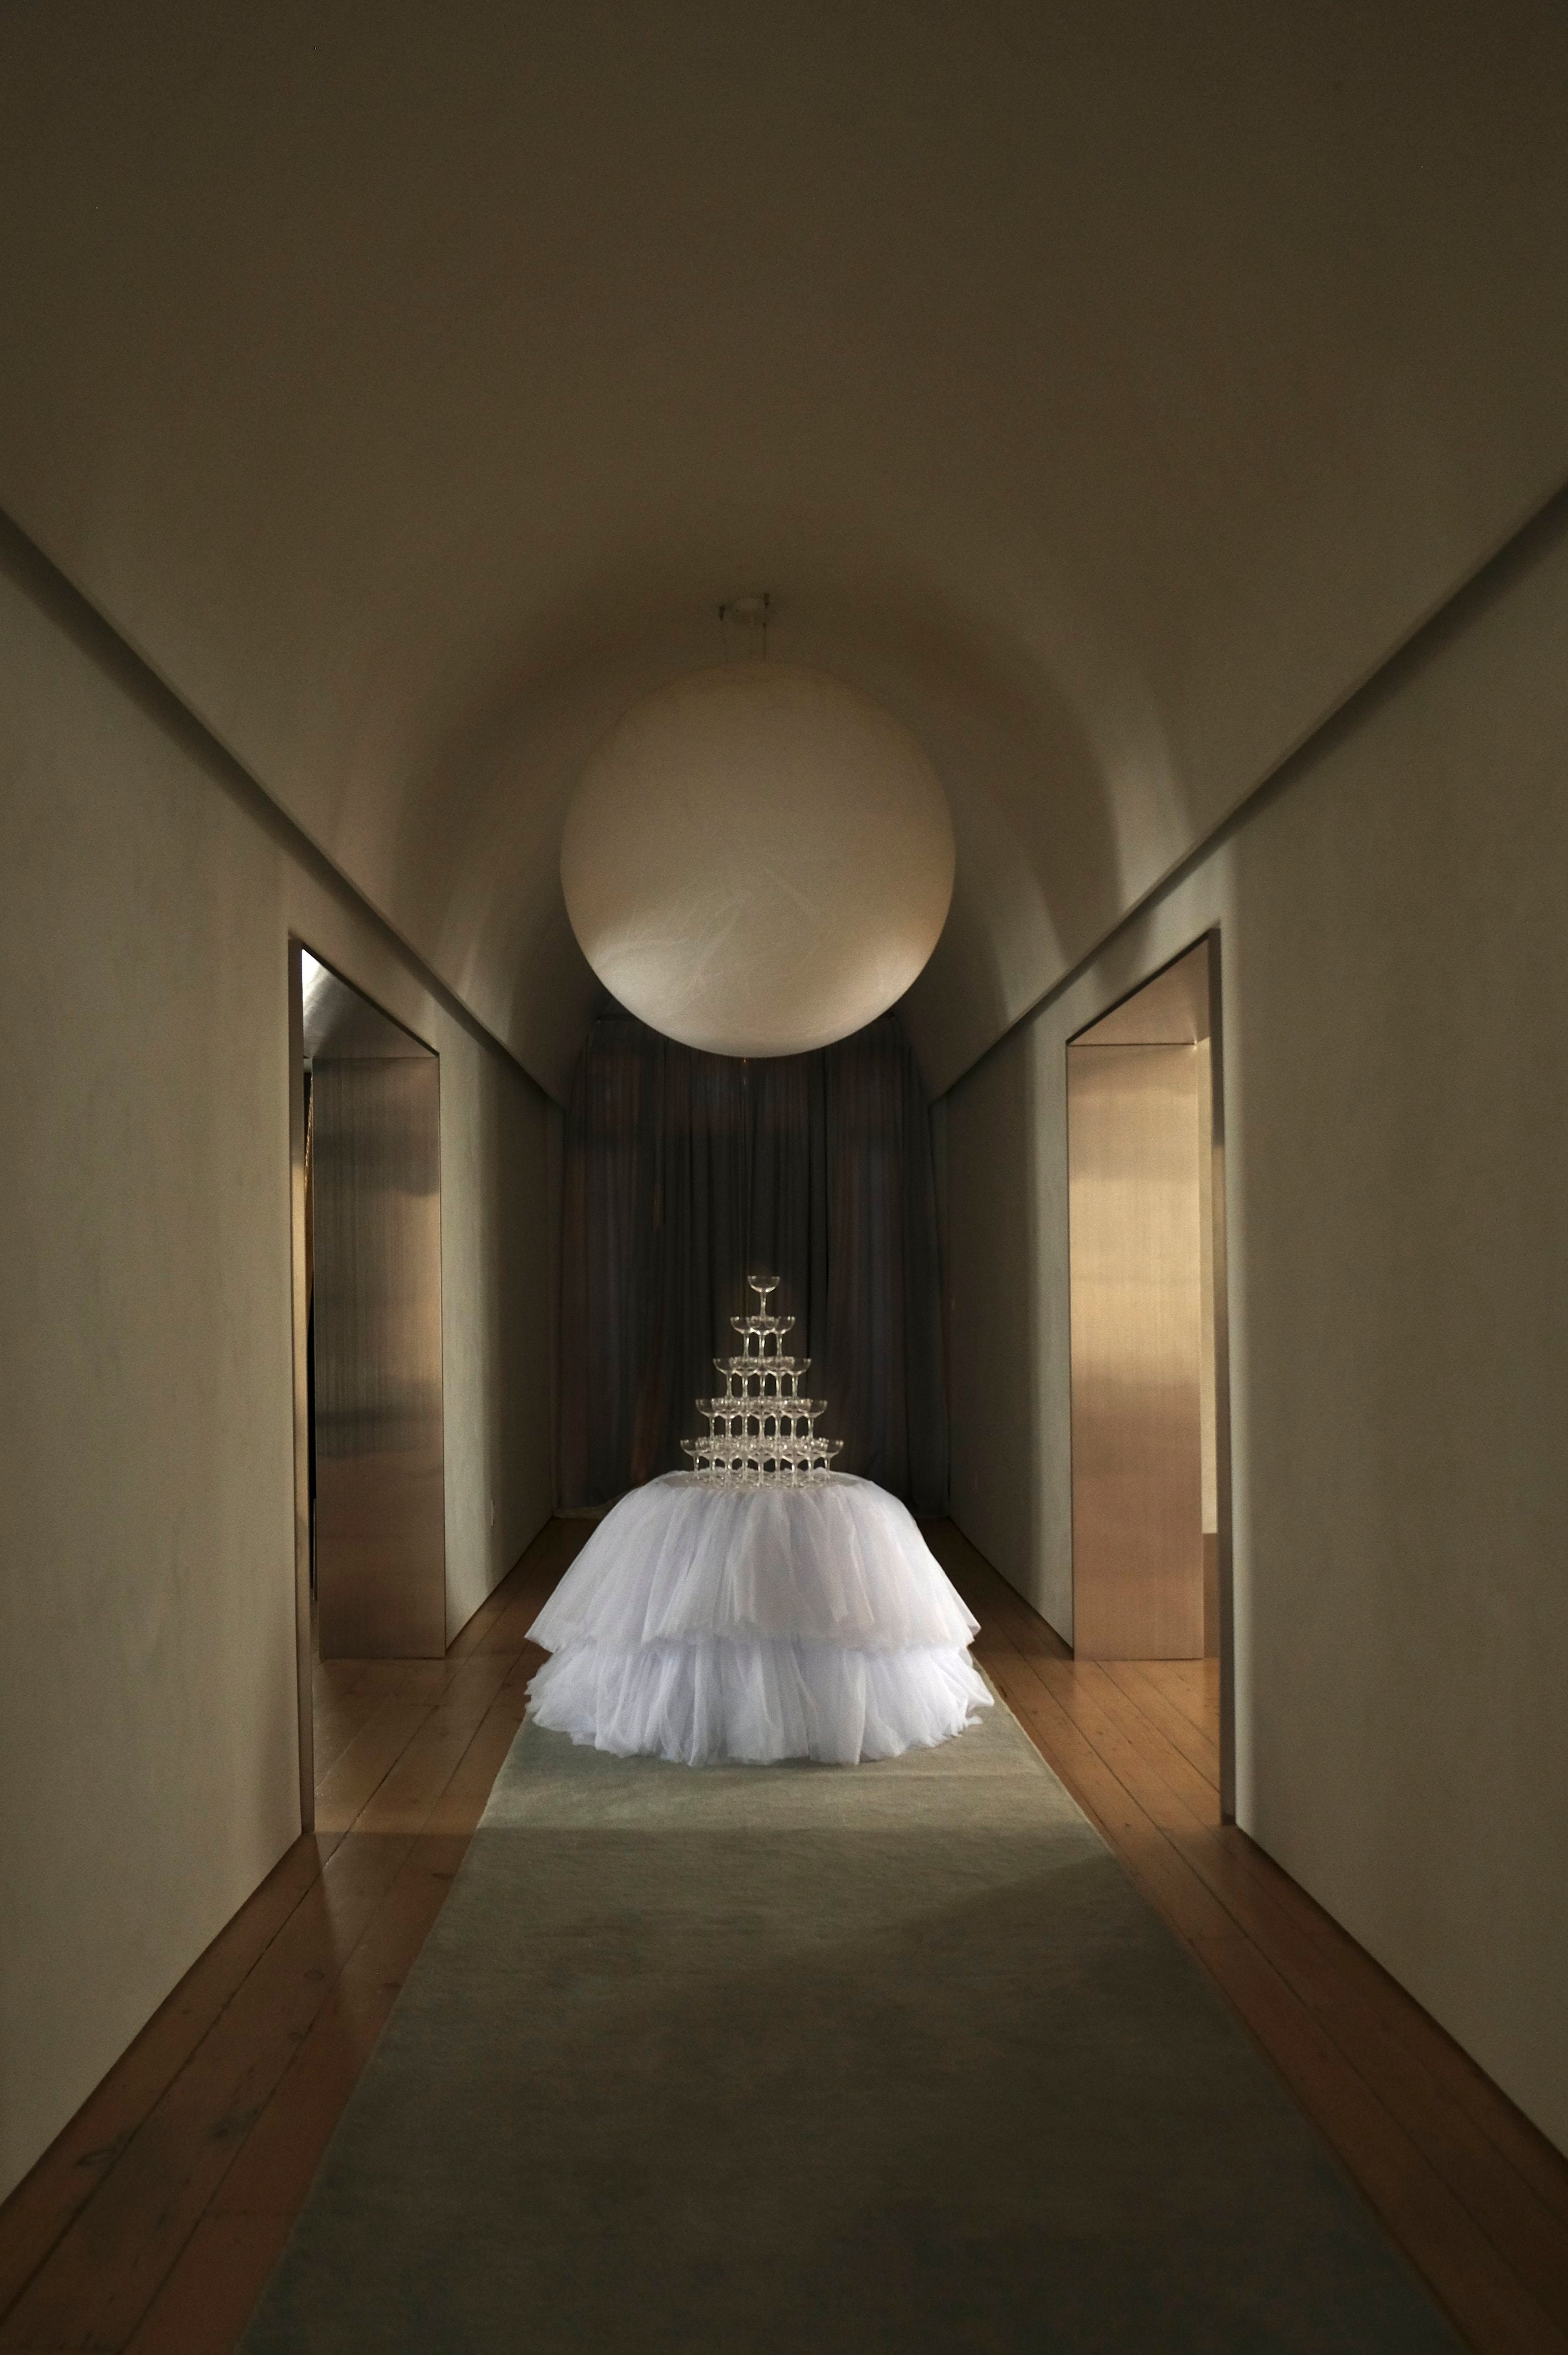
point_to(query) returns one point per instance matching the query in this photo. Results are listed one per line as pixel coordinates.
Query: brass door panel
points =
(1136, 1231)
(380, 1489)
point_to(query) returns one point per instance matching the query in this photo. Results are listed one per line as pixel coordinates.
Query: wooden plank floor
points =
(153, 2222)
(1475, 2196)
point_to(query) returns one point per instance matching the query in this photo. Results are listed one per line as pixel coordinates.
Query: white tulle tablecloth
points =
(703, 1622)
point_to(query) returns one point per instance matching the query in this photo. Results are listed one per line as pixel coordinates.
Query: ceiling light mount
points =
(744, 623)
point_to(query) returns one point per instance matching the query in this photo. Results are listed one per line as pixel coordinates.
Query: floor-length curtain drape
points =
(683, 1170)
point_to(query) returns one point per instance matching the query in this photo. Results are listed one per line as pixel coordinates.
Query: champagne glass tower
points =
(761, 1432)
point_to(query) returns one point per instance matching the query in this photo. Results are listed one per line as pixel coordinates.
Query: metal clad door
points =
(1135, 1223)
(380, 1490)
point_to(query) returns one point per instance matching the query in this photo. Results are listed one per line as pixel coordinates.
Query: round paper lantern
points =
(758, 859)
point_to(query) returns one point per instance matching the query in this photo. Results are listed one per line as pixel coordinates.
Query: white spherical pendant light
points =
(758, 859)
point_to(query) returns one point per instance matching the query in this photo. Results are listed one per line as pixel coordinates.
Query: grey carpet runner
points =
(814, 2061)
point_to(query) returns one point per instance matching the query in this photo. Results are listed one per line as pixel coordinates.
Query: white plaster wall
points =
(1395, 990)
(148, 1774)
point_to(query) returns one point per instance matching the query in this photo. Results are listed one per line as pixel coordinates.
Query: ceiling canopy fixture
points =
(758, 859)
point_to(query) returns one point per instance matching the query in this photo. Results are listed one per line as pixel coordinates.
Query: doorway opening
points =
(1150, 1390)
(370, 1474)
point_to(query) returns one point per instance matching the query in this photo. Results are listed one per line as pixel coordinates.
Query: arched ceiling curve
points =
(1109, 388)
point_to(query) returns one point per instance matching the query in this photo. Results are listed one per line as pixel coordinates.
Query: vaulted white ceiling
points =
(1108, 387)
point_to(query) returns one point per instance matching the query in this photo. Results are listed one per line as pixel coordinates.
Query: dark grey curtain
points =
(682, 1171)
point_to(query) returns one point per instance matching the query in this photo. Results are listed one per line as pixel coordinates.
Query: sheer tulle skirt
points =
(758, 1701)
(701, 1624)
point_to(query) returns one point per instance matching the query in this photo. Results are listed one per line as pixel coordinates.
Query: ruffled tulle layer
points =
(756, 1701)
(839, 1562)
(705, 1623)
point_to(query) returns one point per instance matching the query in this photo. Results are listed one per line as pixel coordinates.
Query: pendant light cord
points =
(746, 1162)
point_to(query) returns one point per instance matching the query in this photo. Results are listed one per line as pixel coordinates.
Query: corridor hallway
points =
(153, 2221)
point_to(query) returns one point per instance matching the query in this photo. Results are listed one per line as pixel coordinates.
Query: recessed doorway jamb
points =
(302, 1644)
(1222, 1514)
